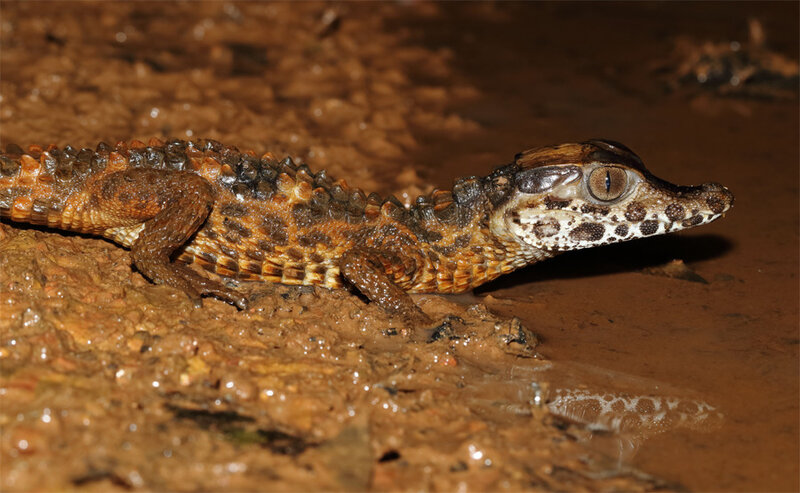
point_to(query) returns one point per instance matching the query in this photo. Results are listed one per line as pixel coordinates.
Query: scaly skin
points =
(253, 218)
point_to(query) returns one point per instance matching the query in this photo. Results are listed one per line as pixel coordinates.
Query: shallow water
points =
(549, 73)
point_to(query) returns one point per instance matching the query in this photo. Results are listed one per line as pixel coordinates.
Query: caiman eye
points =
(608, 183)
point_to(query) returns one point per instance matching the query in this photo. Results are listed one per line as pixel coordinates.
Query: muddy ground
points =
(612, 369)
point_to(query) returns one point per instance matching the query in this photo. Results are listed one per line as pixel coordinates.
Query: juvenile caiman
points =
(257, 218)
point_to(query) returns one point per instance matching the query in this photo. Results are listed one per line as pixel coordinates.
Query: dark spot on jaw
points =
(588, 232)
(692, 221)
(315, 257)
(621, 230)
(716, 204)
(675, 212)
(648, 227)
(635, 212)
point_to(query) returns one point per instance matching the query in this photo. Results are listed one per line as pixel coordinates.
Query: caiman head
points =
(574, 196)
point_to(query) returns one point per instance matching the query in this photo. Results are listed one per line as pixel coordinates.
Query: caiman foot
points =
(161, 271)
(363, 270)
(446, 329)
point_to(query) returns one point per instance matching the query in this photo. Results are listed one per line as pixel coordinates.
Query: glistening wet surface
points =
(664, 363)
(563, 72)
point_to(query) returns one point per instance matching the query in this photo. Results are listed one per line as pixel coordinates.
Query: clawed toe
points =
(237, 299)
(445, 328)
(217, 290)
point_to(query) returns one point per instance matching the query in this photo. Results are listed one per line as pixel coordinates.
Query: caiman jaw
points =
(595, 193)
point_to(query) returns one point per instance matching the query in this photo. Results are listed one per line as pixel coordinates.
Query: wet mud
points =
(661, 364)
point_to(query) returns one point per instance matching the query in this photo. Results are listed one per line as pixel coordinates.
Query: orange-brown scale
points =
(269, 220)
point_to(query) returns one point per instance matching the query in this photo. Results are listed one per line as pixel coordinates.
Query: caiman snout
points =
(718, 198)
(712, 196)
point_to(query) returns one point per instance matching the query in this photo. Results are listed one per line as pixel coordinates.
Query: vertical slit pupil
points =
(608, 182)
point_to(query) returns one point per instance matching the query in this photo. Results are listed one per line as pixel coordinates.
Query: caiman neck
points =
(457, 242)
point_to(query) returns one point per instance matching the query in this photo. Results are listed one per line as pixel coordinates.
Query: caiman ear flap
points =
(539, 180)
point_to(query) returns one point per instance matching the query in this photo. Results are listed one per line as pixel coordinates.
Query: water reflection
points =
(621, 411)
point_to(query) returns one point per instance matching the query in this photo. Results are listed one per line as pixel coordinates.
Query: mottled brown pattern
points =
(274, 228)
(237, 228)
(314, 237)
(233, 210)
(253, 218)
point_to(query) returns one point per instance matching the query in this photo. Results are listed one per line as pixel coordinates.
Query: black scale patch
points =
(588, 232)
(649, 227)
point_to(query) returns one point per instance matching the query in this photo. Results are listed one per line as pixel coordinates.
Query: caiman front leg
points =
(363, 269)
(172, 205)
